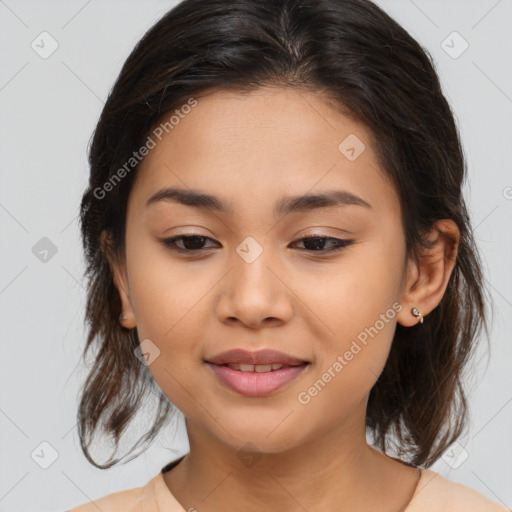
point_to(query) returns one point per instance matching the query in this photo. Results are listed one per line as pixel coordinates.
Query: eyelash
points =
(170, 243)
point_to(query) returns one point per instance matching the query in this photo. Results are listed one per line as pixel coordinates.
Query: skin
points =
(251, 150)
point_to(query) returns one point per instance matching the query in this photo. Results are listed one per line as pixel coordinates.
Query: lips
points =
(256, 374)
(260, 357)
(259, 383)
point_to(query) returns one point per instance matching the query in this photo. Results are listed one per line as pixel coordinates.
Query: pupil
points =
(188, 242)
(315, 242)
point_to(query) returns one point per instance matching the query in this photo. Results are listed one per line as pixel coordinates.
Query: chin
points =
(260, 437)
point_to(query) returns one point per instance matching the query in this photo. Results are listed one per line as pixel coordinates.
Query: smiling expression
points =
(249, 177)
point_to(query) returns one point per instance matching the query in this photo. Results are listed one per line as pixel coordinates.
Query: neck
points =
(336, 471)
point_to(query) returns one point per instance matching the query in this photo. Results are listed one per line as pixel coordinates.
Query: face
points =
(249, 279)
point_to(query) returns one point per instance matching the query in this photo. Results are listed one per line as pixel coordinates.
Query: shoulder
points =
(435, 492)
(130, 500)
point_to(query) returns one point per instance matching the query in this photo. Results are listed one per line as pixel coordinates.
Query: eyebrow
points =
(283, 206)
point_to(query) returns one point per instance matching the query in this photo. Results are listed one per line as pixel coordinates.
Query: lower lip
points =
(256, 383)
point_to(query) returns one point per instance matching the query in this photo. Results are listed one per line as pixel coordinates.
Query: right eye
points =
(191, 243)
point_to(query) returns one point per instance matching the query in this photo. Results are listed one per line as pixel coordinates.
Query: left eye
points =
(193, 243)
(317, 242)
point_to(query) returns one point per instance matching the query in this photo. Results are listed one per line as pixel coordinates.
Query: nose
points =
(255, 293)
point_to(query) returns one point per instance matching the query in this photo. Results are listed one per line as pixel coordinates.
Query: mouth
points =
(259, 359)
(256, 373)
(259, 368)
(258, 380)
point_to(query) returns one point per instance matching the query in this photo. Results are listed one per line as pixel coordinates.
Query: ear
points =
(427, 279)
(120, 277)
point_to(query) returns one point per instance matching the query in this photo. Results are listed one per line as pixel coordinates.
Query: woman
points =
(278, 246)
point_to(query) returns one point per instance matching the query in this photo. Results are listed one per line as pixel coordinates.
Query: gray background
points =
(49, 107)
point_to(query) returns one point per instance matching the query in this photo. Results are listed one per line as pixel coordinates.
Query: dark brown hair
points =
(370, 68)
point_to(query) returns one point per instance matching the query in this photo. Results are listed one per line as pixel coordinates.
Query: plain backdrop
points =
(49, 105)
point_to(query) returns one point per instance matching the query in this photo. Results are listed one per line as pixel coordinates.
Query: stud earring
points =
(417, 314)
(123, 317)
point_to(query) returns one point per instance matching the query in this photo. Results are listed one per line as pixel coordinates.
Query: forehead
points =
(254, 148)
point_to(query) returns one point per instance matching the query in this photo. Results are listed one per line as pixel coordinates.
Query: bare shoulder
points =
(436, 492)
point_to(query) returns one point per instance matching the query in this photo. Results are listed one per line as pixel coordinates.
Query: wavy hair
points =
(369, 68)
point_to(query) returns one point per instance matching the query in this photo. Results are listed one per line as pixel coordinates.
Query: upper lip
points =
(265, 356)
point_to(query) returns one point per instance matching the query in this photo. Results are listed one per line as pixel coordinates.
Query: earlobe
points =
(408, 298)
(428, 278)
(127, 316)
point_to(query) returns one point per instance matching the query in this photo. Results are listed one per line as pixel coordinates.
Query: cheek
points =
(169, 300)
(165, 292)
(351, 359)
(358, 307)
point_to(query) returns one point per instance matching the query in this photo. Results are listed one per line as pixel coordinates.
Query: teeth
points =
(255, 367)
